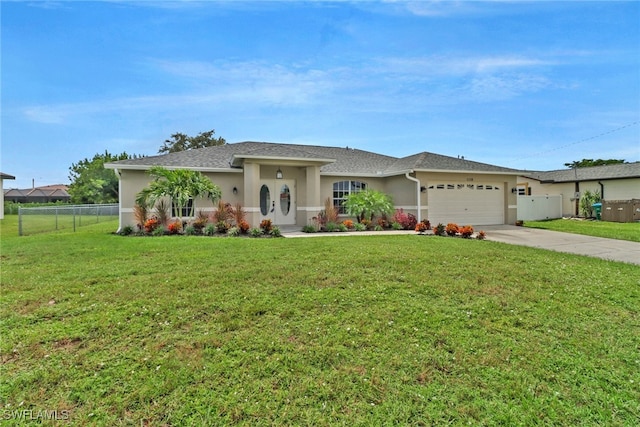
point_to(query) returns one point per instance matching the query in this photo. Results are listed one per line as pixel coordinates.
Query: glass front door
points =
(277, 201)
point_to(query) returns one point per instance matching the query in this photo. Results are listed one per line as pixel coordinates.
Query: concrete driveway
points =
(609, 249)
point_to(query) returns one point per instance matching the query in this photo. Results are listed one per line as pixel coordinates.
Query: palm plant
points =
(179, 185)
(367, 203)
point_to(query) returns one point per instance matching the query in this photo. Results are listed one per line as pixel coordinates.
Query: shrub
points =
(239, 216)
(359, 226)
(175, 227)
(140, 212)
(223, 213)
(210, 230)
(408, 221)
(126, 230)
(452, 229)
(366, 223)
(255, 232)
(162, 211)
(378, 227)
(439, 230)
(330, 211)
(466, 231)
(397, 226)
(243, 226)
(309, 229)
(382, 223)
(151, 224)
(275, 232)
(427, 223)
(348, 223)
(190, 230)
(481, 235)
(222, 227)
(331, 226)
(266, 225)
(421, 227)
(200, 221)
(342, 227)
(234, 231)
(160, 231)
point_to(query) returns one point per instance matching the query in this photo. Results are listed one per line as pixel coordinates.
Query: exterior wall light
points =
(279, 174)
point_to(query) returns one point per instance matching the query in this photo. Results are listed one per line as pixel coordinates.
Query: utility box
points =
(621, 210)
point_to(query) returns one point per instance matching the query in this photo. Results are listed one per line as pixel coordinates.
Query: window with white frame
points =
(342, 189)
(186, 209)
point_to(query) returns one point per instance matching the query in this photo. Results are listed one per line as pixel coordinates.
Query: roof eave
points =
(148, 167)
(279, 160)
(480, 172)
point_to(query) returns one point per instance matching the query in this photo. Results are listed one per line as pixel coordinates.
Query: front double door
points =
(278, 201)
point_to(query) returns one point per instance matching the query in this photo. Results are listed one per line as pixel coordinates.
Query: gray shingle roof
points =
(595, 173)
(337, 160)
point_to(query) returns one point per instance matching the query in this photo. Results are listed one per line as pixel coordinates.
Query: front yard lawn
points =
(612, 230)
(366, 330)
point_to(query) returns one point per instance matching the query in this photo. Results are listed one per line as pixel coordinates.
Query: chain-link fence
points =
(51, 218)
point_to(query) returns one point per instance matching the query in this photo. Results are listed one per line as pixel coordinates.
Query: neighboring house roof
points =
(332, 160)
(48, 191)
(6, 176)
(594, 173)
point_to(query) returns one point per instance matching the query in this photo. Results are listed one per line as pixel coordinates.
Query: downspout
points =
(601, 190)
(417, 181)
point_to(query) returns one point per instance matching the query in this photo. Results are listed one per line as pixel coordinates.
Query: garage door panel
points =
(474, 204)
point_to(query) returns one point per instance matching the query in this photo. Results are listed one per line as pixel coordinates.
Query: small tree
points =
(586, 201)
(179, 185)
(368, 203)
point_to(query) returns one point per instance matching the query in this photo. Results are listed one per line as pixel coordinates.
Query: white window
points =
(342, 189)
(186, 210)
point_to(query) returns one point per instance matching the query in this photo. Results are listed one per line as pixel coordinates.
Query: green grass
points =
(612, 230)
(46, 223)
(366, 330)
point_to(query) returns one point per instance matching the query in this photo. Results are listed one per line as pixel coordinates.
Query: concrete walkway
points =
(598, 247)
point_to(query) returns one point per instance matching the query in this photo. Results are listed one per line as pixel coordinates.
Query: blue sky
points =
(527, 85)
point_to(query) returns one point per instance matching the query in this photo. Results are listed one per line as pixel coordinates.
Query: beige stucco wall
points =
(133, 181)
(622, 189)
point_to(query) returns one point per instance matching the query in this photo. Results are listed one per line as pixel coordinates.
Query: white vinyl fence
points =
(537, 208)
(51, 218)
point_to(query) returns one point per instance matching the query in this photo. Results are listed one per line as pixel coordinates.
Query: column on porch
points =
(313, 196)
(251, 196)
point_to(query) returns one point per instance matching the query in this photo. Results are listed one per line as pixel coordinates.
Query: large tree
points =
(585, 163)
(91, 182)
(179, 185)
(182, 142)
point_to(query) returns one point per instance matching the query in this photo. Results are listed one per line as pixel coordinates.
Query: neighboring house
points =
(613, 182)
(44, 194)
(3, 176)
(289, 183)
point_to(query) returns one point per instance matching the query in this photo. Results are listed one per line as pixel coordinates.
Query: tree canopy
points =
(179, 185)
(91, 182)
(585, 163)
(182, 142)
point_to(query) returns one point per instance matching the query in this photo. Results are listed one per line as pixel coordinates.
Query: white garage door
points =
(466, 204)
